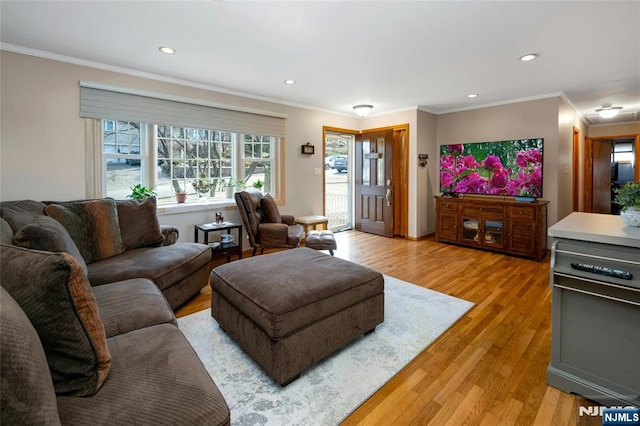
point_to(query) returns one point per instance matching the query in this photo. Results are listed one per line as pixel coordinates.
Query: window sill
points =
(194, 206)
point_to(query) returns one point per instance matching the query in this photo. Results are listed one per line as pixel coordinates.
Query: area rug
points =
(331, 390)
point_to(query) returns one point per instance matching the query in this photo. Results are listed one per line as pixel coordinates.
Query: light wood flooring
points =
(490, 367)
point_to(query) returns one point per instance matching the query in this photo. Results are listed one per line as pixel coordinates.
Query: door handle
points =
(388, 197)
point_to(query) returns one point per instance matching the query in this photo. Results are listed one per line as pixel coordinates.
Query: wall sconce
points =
(308, 149)
(422, 160)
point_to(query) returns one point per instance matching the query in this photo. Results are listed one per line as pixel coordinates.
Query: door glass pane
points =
(366, 149)
(381, 177)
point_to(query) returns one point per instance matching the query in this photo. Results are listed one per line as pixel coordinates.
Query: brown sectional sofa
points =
(148, 250)
(81, 346)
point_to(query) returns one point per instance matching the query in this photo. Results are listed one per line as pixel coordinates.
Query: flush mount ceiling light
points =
(528, 57)
(472, 95)
(168, 50)
(289, 81)
(608, 111)
(363, 110)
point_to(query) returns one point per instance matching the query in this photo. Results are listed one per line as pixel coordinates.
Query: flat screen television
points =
(510, 168)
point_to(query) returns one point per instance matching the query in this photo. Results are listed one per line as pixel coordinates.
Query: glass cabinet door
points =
(493, 233)
(471, 229)
(482, 231)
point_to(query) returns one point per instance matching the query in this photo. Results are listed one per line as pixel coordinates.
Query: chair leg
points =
(331, 252)
(254, 251)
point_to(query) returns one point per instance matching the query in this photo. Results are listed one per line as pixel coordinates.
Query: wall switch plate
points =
(317, 171)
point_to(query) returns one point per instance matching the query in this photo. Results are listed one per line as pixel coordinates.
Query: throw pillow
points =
(6, 233)
(26, 391)
(56, 296)
(270, 210)
(20, 213)
(46, 233)
(139, 226)
(93, 226)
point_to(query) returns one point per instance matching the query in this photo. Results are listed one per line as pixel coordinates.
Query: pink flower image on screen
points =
(511, 168)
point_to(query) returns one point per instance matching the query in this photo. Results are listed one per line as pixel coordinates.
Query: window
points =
(186, 155)
(258, 161)
(122, 155)
(183, 156)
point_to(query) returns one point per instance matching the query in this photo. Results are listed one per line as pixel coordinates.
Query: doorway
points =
(338, 148)
(610, 162)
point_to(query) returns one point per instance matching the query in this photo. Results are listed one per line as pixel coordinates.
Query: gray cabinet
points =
(595, 345)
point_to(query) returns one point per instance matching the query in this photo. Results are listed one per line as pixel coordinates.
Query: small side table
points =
(218, 249)
(310, 221)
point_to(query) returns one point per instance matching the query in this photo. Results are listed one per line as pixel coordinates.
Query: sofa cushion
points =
(249, 199)
(20, 213)
(270, 210)
(138, 220)
(164, 265)
(54, 293)
(130, 305)
(156, 378)
(6, 233)
(93, 226)
(46, 233)
(26, 392)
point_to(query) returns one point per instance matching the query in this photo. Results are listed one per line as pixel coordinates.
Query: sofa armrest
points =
(273, 234)
(170, 234)
(288, 219)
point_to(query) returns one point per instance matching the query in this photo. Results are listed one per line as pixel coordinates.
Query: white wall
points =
(614, 129)
(42, 137)
(523, 120)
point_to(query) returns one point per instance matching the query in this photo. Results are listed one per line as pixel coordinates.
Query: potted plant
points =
(181, 194)
(230, 187)
(202, 185)
(628, 196)
(258, 184)
(140, 192)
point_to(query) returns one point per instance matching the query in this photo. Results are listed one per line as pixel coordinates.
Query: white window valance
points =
(104, 102)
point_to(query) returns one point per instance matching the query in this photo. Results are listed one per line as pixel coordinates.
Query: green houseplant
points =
(628, 196)
(181, 194)
(258, 184)
(140, 192)
(202, 185)
(230, 186)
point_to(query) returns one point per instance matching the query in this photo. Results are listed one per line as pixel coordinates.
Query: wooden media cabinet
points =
(502, 225)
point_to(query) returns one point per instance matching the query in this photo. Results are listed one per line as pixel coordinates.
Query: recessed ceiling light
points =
(472, 95)
(289, 82)
(167, 50)
(528, 57)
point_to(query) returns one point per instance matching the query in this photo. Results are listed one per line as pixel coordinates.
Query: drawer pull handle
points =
(602, 296)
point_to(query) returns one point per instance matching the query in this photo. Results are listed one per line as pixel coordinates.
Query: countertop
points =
(599, 228)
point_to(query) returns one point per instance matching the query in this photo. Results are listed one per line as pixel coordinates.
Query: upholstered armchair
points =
(264, 224)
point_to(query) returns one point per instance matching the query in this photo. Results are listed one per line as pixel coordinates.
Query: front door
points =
(373, 184)
(601, 176)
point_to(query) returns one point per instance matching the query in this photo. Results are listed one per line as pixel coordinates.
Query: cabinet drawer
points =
(565, 252)
(485, 211)
(522, 212)
(449, 206)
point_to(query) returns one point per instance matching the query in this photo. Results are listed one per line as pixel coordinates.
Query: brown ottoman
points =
(321, 240)
(290, 309)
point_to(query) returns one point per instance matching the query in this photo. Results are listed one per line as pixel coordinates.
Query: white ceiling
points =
(393, 54)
